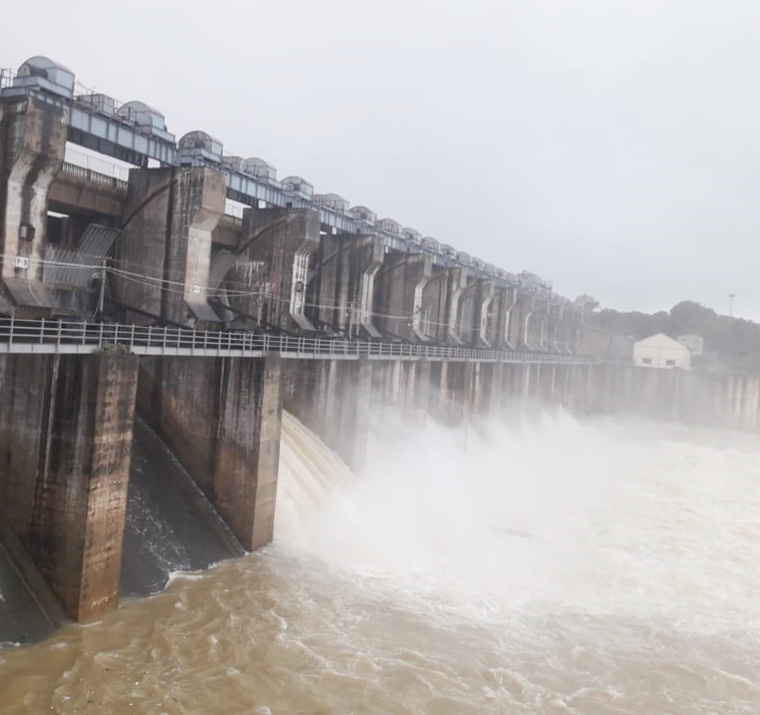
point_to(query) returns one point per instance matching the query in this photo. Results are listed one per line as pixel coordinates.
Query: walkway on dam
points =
(69, 337)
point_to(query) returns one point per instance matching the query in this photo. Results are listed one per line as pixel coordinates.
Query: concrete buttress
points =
(398, 294)
(459, 306)
(486, 310)
(165, 246)
(32, 146)
(281, 242)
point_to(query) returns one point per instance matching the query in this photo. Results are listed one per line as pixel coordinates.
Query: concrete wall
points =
(222, 419)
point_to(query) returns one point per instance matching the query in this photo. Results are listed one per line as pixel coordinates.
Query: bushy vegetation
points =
(114, 349)
(735, 342)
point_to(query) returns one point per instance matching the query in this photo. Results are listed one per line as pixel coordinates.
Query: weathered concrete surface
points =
(329, 290)
(432, 317)
(170, 215)
(486, 313)
(459, 306)
(222, 418)
(468, 308)
(342, 287)
(70, 192)
(25, 388)
(537, 326)
(67, 501)
(32, 145)
(280, 242)
(248, 448)
(398, 294)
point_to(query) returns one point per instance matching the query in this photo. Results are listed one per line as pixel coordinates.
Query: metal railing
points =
(69, 337)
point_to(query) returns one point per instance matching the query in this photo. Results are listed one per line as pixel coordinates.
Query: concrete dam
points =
(150, 341)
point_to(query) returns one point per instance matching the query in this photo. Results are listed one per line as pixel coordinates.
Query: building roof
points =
(660, 339)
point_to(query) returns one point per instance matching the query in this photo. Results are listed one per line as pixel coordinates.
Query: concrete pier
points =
(222, 418)
(165, 247)
(66, 500)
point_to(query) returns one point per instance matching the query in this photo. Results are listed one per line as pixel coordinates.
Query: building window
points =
(646, 361)
(670, 363)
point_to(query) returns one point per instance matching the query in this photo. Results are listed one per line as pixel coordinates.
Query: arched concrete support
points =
(165, 246)
(520, 322)
(222, 419)
(507, 297)
(418, 302)
(468, 314)
(32, 146)
(553, 321)
(535, 325)
(367, 260)
(272, 287)
(66, 500)
(569, 328)
(329, 284)
(487, 312)
(344, 278)
(433, 313)
(457, 285)
(396, 289)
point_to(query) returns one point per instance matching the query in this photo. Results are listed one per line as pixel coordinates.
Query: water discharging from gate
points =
(558, 568)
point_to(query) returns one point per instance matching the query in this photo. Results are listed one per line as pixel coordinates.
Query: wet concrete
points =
(171, 526)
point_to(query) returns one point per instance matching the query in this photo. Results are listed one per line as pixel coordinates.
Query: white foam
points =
(589, 517)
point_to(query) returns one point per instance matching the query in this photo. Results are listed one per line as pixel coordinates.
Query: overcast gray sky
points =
(608, 145)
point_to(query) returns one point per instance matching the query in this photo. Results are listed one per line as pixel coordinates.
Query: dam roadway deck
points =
(79, 338)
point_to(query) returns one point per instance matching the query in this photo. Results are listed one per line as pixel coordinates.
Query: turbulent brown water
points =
(561, 568)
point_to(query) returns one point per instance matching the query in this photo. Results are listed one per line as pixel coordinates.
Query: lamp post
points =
(731, 297)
